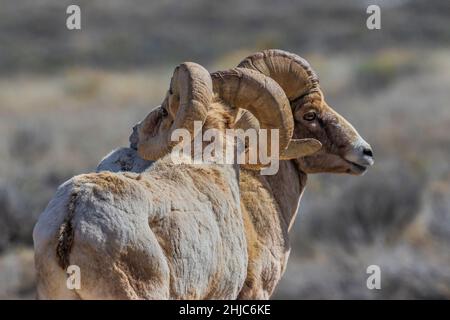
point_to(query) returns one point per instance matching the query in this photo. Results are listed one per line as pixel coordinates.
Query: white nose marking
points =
(361, 153)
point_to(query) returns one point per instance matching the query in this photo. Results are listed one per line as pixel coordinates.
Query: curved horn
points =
(300, 148)
(191, 89)
(295, 75)
(261, 95)
(188, 99)
(290, 71)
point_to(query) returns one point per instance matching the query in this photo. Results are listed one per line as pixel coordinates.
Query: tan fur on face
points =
(335, 133)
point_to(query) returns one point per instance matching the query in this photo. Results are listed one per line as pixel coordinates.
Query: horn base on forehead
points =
(259, 94)
(290, 71)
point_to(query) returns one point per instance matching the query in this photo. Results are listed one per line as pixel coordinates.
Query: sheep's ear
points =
(300, 148)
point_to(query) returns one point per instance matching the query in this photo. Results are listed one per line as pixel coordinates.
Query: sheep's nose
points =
(360, 154)
(366, 155)
(368, 152)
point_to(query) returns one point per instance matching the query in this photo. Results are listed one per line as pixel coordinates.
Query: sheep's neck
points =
(269, 208)
(273, 200)
(287, 188)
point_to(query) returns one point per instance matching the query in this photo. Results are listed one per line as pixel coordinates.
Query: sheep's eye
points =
(310, 116)
(164, 112)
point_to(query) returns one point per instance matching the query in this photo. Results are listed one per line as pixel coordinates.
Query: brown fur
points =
(334, 132)
(254, 249)
(271, 205)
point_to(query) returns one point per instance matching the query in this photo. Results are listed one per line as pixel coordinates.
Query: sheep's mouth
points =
(356, 168)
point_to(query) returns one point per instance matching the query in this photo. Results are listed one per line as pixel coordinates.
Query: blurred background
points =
(69, 97)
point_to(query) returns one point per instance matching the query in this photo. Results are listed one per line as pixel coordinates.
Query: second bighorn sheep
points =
(172, 231)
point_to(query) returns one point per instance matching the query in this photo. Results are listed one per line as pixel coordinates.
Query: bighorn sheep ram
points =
(172, 231)
(268, 220)
(270, 203)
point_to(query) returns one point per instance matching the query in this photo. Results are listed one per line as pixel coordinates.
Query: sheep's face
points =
(343, 149)
(154, 130)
